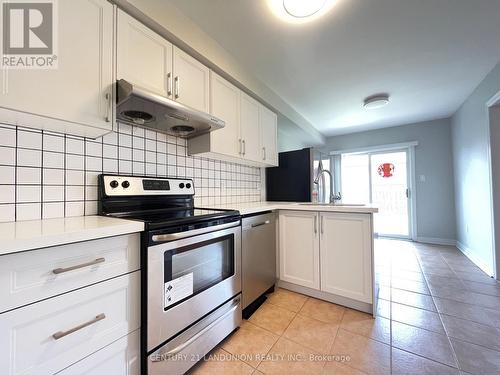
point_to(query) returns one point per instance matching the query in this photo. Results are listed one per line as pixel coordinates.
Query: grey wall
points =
(433, 158)
(472, 173)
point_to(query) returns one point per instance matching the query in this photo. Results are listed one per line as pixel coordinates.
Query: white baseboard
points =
(437, 241)
(475, 259)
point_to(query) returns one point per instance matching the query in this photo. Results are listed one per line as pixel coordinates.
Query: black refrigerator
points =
(292, 179)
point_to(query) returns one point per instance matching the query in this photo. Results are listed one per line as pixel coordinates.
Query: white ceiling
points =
(429, 55)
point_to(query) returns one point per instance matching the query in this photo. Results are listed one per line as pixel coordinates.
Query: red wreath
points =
(386, 170)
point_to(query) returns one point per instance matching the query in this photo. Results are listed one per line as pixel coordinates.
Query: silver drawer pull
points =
(72, 268)
(260, 224)
(61, 334)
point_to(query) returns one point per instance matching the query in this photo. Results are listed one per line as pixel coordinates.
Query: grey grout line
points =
(439, 315)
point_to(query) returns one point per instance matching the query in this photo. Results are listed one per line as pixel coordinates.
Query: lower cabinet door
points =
(299, 248)
(48, 336)
(346, 253)
(119, 358)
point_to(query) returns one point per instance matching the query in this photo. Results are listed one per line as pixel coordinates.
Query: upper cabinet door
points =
(225, 104)
(76, 96)
(191, 81)
(269, 137)
(249, 128)
(144, 58)
(346, 254)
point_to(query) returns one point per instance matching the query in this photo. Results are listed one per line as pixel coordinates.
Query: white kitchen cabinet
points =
(250, 128)
(224, 104)
(31, 276)
(121, 357)
(191, 81)
(148, 60)
(48, 336)
(249, 136)
(299, 248)
(144, 57)
(76, 97)
(268, 121)
(346, 255)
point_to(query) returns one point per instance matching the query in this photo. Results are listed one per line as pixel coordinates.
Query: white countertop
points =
(255, 207)
(34, 234)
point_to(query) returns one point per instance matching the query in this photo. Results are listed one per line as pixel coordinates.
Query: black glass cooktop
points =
(174, 217)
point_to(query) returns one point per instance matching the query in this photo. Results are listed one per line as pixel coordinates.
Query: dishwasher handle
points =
(260, 224)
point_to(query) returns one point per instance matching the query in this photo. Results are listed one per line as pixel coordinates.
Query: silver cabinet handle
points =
(61, 334)
(177, 87)
(158, 356)
(244, 147)
(260, 224)
(315, 224)
(169, 84)
(108, 107)
(322, 224)
(263, 153)
(82, 265)
(240, 148)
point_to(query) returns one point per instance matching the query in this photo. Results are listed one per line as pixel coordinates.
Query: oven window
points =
(192, 269)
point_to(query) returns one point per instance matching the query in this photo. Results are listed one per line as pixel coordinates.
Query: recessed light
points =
(301, 8)
(376, 101)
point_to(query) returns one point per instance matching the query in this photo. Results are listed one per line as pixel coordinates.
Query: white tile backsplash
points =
(47, 175)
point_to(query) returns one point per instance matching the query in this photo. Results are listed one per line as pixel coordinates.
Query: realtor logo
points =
(28, 34)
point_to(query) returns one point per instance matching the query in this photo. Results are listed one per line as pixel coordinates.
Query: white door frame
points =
(410, 148)
(495, 267)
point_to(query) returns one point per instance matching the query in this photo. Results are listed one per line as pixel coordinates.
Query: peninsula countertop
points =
(256, 207)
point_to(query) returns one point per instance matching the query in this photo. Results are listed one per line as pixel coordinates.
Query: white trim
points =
(474, 259)
(495, 100)
(411, 169)
(436, 241)
(389, 147)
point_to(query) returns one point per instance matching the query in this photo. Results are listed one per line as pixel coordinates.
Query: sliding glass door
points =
(381, 179)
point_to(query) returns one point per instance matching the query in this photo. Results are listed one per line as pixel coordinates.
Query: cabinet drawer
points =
(121, 358)
(48, 336)
(35, 275)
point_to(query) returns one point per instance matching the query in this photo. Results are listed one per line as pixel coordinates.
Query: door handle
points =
(260, 224)
(239, 148)
(177, 87)
(322, 224)
(263, 153)
(108, 107)
(169, 84)
(315, 224)
(57, 271)
(61, 334)
(407, 193)
(244, 147)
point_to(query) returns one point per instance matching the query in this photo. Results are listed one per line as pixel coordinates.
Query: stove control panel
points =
(115, 185)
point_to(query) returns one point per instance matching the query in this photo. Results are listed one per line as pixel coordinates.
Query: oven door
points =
(188, 278)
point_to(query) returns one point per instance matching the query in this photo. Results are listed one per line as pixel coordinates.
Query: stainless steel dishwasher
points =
(258, 258)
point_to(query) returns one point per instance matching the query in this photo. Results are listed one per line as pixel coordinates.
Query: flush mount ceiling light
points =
(376, 101)
(301, 8)
(300, 11)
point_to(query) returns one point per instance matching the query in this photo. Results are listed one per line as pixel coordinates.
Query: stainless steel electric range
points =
(190, 265)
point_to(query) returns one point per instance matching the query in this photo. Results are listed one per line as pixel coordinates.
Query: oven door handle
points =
(190, 233)
(164, 357)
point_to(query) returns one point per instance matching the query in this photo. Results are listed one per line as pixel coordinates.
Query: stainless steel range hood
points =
(138, 106)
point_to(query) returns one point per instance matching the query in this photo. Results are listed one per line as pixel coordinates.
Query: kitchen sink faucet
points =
(333, 197)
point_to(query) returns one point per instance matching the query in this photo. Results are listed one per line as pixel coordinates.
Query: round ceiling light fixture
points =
(301, 8)
(376, 101)
(300, 11)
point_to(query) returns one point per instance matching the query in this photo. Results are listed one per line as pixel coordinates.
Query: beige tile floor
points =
(437, 314)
